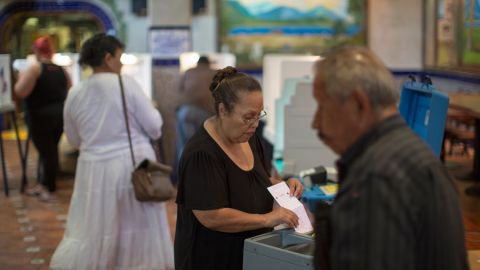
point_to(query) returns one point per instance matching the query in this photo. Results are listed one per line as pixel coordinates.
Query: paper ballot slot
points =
(279, 250)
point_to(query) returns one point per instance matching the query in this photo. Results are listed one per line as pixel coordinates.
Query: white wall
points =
(204, 29)
(169, 12)
(204, 33)
(136, 28)
(395, 32)
(165, 78)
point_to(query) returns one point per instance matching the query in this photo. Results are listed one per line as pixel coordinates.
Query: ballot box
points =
(317, 193)
(424, 108)
(279, 250)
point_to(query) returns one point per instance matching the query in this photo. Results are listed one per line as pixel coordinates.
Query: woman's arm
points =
(232, 220)
(69, 125)
(69, 80)
(26, 80)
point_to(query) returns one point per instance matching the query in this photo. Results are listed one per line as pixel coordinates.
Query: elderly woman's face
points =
(240, 124)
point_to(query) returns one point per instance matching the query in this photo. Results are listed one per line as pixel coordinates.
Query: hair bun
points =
(221, 75)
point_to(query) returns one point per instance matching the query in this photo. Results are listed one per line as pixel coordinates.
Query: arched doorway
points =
(67, 22)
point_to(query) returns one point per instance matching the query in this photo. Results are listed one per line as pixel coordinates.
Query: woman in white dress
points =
(107, 228)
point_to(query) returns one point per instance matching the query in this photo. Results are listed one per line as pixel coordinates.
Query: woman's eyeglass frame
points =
(251, 120)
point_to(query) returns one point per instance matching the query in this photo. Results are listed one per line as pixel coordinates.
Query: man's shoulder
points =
(399, 150)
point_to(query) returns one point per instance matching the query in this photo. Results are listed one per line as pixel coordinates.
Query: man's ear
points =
(363, 106)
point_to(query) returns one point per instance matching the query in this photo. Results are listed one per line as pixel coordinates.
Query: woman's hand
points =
(296, 188)
(281, 215)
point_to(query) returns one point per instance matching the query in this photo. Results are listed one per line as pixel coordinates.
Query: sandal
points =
(34, 191)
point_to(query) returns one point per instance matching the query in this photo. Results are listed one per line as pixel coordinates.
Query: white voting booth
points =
(6, 100)
(67, 60)
(302, 149)
(276, 69)
(7, 108)
(139, 66)
(288, 100)
(136, 65)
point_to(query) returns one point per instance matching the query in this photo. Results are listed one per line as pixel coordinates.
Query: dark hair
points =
(226, 85)
(94, 49)
(203, 60)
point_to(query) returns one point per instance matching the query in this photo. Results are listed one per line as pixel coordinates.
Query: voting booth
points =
(277, 68)
(139, 66)
(69, 61)
(425, 109)
(136, 65)
(300, 146)
(279, 250)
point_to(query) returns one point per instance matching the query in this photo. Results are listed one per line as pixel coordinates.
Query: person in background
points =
(222, 193)
(194, 87)
(397, 207)
(195, 106)
(107, 228)
(44, 87)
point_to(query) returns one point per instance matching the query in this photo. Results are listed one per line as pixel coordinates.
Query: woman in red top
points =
(44, 87)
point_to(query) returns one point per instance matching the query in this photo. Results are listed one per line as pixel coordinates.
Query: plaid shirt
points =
(397, 207)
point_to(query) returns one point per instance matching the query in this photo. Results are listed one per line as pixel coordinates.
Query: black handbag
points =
(150, 179)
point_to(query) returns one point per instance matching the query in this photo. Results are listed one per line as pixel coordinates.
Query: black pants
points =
(46, 127)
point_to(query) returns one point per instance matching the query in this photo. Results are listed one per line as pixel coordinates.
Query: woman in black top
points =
(222, 193)
(44, 87)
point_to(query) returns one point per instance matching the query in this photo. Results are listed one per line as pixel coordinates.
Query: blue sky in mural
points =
(477, 9)
(292, 13)
(291, 10)
(476, 13)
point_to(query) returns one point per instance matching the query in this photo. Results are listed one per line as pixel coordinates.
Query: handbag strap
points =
(124, 104)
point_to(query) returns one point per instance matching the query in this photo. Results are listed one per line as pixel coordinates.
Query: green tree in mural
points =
(471, 32)
(471, 22)
(355, 8)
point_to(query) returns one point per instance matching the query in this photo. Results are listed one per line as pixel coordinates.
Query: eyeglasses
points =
(250, 120)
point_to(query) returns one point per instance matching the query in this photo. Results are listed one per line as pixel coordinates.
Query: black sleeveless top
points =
(50, 88)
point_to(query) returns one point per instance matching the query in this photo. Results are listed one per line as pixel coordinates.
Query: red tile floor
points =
(30, 230)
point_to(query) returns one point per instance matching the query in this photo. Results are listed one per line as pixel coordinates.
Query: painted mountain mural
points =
(273, 12)
(252, 28)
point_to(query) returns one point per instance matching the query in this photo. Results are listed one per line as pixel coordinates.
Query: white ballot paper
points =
(281, 193)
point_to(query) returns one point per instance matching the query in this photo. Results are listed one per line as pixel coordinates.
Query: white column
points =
(395, 32)
(169, 12)
(204, 29)
(165, 78)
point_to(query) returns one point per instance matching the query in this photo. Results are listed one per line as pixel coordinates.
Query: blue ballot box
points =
(424, 108)
(279, 250)
(318, 193)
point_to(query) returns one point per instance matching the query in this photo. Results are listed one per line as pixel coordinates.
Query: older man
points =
(397, 207)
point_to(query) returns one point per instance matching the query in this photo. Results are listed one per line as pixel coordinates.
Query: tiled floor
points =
(30, 230)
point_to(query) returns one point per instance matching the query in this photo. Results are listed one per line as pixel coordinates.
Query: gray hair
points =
(346, 69)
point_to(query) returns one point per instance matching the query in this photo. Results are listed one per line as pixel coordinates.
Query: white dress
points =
(107, 228)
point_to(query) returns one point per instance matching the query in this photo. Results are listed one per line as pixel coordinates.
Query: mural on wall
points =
(251, 28)
(471, 32)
